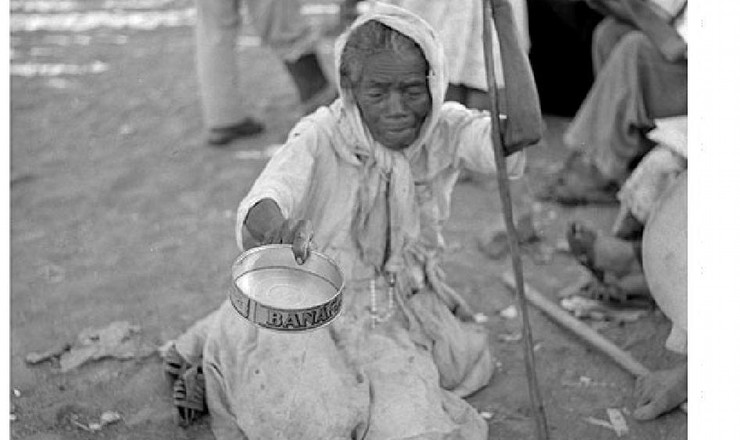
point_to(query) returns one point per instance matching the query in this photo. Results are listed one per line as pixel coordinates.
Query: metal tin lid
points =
(273, 291)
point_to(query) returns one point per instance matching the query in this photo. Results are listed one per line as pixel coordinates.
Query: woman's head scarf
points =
(386, 221)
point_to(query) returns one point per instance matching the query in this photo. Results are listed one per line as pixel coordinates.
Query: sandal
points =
(173, 363)
(189, 395)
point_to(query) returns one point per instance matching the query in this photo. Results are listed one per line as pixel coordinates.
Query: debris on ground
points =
(586, 382)
(496, 413)
(616, 422)
(115, 341)
(107, 418)
(509, 312)
(598, 422)
(600, 310)
(579, 298)
(34, 358)
(510, 337)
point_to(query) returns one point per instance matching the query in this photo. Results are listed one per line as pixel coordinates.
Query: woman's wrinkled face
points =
(393, 97)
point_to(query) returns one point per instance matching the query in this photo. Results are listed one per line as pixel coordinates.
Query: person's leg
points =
(216, 28)
(605, 38)
(634, 87)
(282, 27)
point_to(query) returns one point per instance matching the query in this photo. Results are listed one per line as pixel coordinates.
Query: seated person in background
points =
(368, 182)
(650, 263)
(664, 257)
(641, 70)
(661, 257)
(615, 261)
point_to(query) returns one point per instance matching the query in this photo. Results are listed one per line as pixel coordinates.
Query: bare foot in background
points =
(602, 253)
(659, 392)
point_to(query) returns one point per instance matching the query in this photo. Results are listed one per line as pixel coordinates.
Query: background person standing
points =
(280, 26)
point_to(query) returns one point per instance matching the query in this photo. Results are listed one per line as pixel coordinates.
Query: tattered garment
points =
(658, 170)
(655, 194)
(397, 363)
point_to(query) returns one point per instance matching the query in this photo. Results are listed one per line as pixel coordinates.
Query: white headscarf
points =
(386, 222)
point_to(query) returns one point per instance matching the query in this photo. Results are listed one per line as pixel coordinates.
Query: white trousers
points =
(280, 26)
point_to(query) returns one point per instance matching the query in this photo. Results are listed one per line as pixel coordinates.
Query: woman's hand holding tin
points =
(296, 232)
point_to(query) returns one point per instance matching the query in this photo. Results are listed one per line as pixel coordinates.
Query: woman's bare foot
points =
(659, 392)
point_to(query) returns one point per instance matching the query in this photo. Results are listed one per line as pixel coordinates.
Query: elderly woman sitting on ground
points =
(366, 181)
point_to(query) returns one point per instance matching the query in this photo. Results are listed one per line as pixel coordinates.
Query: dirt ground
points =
(119, 212)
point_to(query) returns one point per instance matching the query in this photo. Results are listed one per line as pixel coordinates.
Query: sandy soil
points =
(120, 212)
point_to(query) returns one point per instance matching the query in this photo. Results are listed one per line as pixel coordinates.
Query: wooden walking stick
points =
(497, 139)
(583, 331)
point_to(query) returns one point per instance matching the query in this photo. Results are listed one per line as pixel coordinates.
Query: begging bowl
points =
(273, 291)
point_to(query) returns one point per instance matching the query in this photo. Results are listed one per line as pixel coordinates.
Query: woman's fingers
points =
(303, 233)
(286, 231)
(297, 233)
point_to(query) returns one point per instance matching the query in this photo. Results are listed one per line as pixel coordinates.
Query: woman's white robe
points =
(404, 378)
